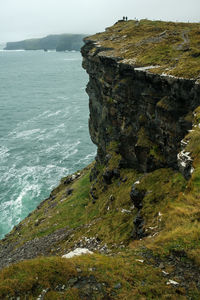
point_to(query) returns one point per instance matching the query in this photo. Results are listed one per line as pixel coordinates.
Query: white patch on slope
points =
(77, 252)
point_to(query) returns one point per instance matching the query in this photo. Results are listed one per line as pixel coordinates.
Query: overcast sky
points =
(20, 19)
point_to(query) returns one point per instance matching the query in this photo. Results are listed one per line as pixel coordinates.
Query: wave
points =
(64, 151)
(54, 114)
(45, 138)
(27, 133)
(21, 200)
(53, 148)
(27, 183)
(40, 115)
(85, 159)
(19, 50)
(19, 126)
(4, 153)
(18, 202)
(62, 98)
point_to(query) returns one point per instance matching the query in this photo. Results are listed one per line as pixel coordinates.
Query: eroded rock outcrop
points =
(147, 114)
(138, 119)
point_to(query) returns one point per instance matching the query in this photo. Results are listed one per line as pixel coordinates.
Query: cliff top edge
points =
(166, 48)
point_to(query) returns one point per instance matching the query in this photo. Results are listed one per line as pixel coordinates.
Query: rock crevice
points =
(147, 114)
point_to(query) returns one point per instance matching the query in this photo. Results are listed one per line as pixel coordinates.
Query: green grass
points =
(137, 280)
(63, 211)
(174, 47)
(171, 213)
(180, 206)
(31, 277)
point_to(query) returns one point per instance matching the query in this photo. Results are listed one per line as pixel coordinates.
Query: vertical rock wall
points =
(146, 114)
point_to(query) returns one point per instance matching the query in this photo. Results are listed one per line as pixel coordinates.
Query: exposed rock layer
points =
(146, 114)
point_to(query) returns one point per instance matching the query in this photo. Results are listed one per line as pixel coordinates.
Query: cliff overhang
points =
(132, 207)
(166, 48)
(146, 111)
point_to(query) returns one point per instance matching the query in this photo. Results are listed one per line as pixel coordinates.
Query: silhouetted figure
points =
(126, 18)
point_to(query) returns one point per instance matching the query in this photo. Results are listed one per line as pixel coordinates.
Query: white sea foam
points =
(53, 148)
(70, 152)
(6, 218)
(9, 174)
(5, 205)
(19, 50)
(51, 172)
(51, 134)
(30, 121)
(86, 158)
(62, 125)
(41, 115)
(21, 200)
(51, 169)
(54, 113)
(66, 114)
(45, 138)
(62, 97)
(41, 135)
(4, 153)
(27, 133)
(22, 126)
(18, 201)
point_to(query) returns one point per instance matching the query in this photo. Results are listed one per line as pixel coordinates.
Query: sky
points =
(22, 19)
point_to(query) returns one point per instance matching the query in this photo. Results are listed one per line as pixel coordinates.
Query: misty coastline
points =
(57, 42)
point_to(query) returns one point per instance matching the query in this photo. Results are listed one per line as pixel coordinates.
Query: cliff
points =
(60, 42)
(137, 206)
(145, 112)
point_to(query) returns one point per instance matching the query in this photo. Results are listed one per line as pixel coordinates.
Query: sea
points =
(43, 128)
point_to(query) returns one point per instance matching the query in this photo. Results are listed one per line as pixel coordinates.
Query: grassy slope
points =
(170, 209)
(171, 212)
(173, 47)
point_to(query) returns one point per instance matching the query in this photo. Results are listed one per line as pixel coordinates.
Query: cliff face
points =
(147, 114)
(132, 207)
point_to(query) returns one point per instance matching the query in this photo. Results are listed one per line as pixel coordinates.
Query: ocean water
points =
(43, 128)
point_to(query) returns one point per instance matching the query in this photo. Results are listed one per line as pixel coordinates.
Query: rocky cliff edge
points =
(134, 212)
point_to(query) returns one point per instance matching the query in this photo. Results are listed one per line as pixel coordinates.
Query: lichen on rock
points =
(145, 113)
(137, 206)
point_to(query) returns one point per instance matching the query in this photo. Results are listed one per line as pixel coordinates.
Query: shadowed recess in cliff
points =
(132, 208)
(148, 114)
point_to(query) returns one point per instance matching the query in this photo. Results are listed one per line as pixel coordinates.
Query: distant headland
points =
(58, 42)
